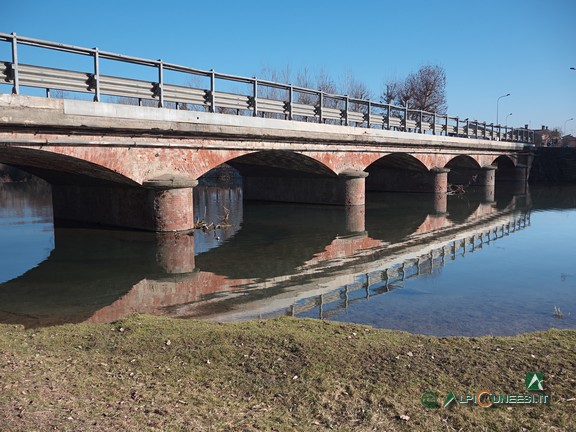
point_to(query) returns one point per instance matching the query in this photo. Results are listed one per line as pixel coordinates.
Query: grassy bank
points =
(147, 373)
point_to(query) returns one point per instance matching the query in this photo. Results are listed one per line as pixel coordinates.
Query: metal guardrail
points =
(294, 103)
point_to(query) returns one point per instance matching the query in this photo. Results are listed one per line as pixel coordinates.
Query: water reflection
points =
(26, 230)
(270, 259)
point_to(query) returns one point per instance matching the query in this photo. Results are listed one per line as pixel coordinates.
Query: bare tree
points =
(304, 80)
(424, 90)
(356, 89)
(428, 88)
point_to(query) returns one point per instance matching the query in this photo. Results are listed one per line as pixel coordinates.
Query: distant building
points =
(569, 141)
(547, 138)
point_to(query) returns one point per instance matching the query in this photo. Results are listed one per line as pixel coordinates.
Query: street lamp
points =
(506, 121)
(564, 130)
(497, 102)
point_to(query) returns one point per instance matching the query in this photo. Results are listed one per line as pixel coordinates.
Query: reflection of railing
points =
(382, 281)
(259, 97)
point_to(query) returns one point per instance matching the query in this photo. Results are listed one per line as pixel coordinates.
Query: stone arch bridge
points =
(136, 166)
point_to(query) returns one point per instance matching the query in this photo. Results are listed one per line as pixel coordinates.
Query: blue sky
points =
(487, 48)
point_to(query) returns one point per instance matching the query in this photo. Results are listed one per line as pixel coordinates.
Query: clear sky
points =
(488, 48)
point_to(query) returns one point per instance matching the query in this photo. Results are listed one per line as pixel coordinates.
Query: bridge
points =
(127, 151)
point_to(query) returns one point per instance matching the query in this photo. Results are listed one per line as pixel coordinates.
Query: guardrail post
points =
(212, 91)
(96, 75)
(484, 130)
(16, 86)
(320, 105)
(255, 96)
(420, 128)
(161, 83)
(457, 127)
(434, 123)
(368, 116)
(467, 128)
(291, 102)
(406, 117)
(346, 103)
(389, 111)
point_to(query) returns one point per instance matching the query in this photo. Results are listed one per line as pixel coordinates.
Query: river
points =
(500, 267)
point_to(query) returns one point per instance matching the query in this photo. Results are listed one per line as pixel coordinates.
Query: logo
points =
(486, 398)
(429, 399)
(534, 381)
(449, 399)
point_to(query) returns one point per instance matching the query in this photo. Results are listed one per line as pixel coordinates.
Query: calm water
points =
(483, 268)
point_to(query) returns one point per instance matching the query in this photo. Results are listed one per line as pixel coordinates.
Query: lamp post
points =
(564, 130)
(506, 121)
(497, 102)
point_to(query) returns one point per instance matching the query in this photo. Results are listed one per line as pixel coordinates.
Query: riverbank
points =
(149, 373)
(553, 165)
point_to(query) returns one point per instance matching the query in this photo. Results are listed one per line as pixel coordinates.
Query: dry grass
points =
(147, 373)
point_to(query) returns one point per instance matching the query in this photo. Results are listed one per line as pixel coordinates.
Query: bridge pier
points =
(352, 184)
(440, 204)
(440, 189)
(162, 205)
(356, 219)
(172, 203)
(439, 180)
(175, 252)
(487, 179)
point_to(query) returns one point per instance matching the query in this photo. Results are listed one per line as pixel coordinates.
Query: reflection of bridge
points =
(103, 276)
(394, 277)
(136, 166)
(367, 269)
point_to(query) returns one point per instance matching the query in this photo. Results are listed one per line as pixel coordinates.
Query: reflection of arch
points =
(58, 168)
(392, 217)
(274, 241)
(399, 172)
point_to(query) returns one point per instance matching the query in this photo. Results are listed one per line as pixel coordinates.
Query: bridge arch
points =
(398, 172)
(290, 176)
(62, 169)
(464, 170)
(508, 170)
(279, 163)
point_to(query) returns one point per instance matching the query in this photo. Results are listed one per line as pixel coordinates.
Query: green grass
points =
(149, 373)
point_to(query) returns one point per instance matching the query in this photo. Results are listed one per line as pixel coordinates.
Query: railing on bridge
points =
(259, 98)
